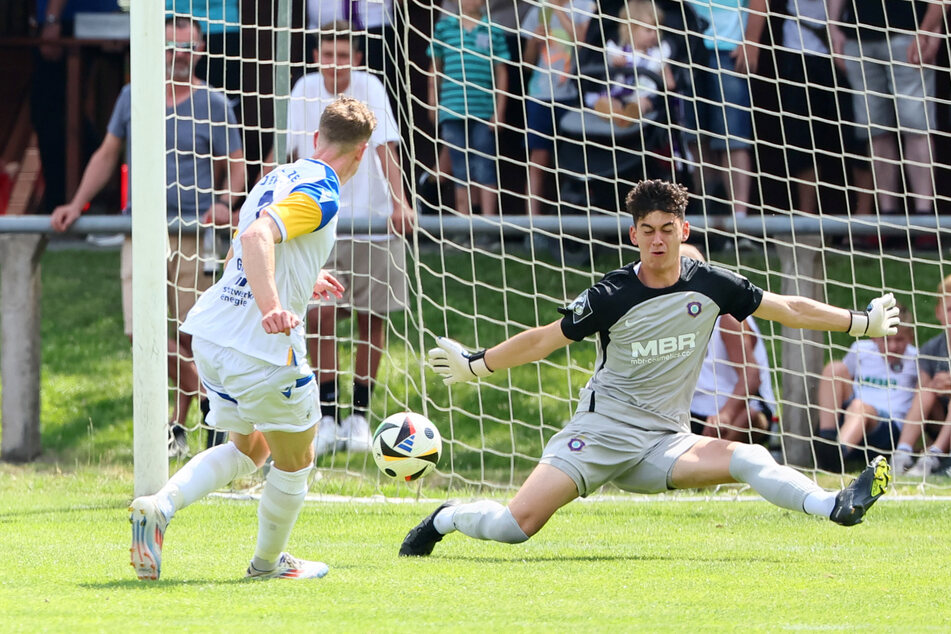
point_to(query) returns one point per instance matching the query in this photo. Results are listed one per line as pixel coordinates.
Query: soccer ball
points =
(406, 446)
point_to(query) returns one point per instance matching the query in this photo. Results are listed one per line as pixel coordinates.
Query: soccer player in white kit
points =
(250, 351)
(653, 319)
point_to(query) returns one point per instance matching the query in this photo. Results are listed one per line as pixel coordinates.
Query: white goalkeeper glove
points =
(456, 364)
(878, 320)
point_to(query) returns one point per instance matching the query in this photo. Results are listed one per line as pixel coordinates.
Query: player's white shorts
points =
(593, 449)
(246, 393)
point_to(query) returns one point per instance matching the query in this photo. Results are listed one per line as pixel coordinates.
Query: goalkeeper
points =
(653, 319)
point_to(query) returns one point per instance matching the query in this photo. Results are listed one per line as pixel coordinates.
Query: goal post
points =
(149, 343)
(557, 187)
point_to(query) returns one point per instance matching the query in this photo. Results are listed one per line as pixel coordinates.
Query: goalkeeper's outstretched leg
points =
(545, 491)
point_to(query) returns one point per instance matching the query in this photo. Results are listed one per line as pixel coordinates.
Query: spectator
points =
(204, 152)
(468, 69)
(371, 267)
(551, 32)
(931, 403)
(886, 56)
(630, 94)
(55, 19)
(220, 21)
(375, 17)
(864, 398)
(720, 105)
(734, 396)
(813, 108)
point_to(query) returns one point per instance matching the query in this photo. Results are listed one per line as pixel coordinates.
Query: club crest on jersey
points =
(575, 444)
(580, 308)
(694, 308)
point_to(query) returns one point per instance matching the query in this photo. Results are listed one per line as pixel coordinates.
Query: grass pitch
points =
(597, 566)
(602, 566)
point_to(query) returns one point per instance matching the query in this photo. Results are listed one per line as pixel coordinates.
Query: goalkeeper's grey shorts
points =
(594, 449)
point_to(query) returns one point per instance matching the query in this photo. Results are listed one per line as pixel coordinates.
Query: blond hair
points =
(637, 13)
(346, 123)
(944, 287)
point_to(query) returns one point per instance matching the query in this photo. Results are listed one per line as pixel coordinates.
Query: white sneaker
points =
(148, 533)
(902, 461)
(325, 441)
(290, 567)
(355, 434)
(925, 465)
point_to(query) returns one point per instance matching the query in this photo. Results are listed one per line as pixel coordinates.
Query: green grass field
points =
(600, 566)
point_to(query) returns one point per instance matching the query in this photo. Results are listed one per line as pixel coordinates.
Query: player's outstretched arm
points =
(456, 364)
(880, 318)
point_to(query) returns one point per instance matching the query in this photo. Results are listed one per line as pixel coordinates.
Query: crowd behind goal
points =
(557, 108)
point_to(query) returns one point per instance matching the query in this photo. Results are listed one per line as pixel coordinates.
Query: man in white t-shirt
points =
(864, 399)
(370, 266)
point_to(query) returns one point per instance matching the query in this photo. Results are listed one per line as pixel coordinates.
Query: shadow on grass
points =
(738, 558)
(128, 584)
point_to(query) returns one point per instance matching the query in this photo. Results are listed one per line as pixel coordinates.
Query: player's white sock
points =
(486, 519)
(780, 485)
(281, 502)
(206, 472)
(820, 503)
(443, 520)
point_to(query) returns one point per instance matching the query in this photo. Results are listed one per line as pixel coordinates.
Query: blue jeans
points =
(471, 149)
(720, 105)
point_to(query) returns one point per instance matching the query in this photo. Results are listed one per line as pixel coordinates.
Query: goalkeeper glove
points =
(878, 320)
(455, 364)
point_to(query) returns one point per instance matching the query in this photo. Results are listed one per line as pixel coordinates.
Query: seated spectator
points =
(734, 398)
(930, 404)
(630, 93)
(864, 398)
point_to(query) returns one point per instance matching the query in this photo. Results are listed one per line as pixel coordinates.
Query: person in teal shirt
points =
(468, 71)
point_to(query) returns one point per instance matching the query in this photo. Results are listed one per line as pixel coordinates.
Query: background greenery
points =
(494, 430)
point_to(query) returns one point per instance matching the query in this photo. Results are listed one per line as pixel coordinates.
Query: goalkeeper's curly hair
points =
(656, 195)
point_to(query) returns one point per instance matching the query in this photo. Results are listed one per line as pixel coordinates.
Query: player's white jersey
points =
(302, 198)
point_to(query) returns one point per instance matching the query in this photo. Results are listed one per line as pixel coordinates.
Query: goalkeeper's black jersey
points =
(651, 341)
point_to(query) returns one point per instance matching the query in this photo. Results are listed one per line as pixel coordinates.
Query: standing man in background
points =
(203, 156)
(371, 267)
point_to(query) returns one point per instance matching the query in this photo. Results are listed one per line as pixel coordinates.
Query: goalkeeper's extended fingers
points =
(439, 360)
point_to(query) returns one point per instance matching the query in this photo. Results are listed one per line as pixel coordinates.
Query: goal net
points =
(521, 126)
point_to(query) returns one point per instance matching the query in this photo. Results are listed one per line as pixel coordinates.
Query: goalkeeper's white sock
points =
(485, 519)
(780, 485)
(281, 502)
(208, 471)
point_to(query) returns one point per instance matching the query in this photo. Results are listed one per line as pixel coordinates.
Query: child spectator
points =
(630, 94)
(931, 402)
(734, 397)
(468, 70)
(550, 31)
(864, 398)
